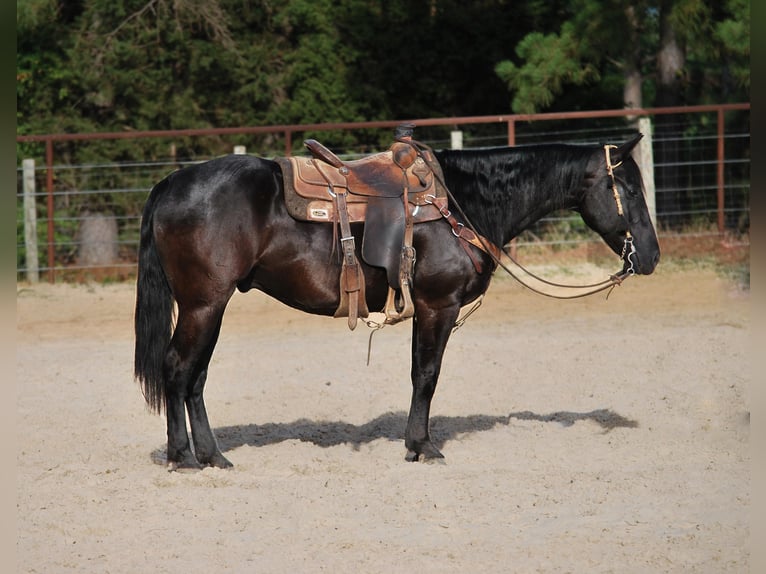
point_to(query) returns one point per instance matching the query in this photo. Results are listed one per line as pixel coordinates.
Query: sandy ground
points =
(581, 436)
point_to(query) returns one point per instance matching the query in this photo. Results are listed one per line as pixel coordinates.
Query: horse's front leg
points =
(430, 332)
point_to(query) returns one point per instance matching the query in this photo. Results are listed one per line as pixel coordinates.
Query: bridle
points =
(628, 249)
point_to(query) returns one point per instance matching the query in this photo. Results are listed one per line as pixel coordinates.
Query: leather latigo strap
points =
(467, 236)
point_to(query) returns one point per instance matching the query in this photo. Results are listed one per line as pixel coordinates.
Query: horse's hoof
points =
(184, 467)
(432, 456)
(220, 461)
(440, 460)
(184, 462)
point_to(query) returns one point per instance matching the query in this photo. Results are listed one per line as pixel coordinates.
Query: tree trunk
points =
(670, 61)
(631, 94)
(98, 240)
(632, 91)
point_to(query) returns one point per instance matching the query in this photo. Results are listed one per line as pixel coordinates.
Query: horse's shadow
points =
(390, 426)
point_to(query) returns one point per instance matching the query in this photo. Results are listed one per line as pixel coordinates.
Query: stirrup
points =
(393, 314)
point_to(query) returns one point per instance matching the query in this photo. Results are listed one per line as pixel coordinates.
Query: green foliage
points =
(314, 78)
(734, 35)
(551, 62)
(598, 44)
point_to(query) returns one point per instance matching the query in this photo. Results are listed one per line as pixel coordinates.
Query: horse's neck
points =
(536, 196)
(524, 186)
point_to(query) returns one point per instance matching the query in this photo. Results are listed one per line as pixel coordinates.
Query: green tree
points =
(311, 83)
(44, 81)
(665, 51)
(551, 62)
(112, 65)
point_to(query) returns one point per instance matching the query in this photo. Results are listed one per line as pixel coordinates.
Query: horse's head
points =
(613, 204)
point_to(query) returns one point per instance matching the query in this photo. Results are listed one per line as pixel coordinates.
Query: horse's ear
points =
(624, 149)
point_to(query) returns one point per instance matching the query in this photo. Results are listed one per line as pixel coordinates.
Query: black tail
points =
(154, 312)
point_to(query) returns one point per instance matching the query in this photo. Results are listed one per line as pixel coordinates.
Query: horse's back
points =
(219, 180)
(219, 198)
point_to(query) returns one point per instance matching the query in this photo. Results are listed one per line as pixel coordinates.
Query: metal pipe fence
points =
(700, 175)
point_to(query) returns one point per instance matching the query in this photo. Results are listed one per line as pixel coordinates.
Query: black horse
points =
(222, 225)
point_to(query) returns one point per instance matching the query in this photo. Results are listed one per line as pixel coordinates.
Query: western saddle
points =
(390, 192)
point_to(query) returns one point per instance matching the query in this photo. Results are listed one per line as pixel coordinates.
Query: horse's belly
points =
(312, 285)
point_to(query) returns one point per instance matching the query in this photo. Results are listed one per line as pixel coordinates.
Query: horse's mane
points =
(498, 187)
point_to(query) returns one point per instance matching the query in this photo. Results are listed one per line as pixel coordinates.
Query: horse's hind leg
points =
(185, 366)
(205, 446)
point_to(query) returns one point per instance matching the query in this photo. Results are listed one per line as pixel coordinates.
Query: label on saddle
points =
(319, 214)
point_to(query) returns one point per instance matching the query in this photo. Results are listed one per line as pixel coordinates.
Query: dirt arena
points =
(580, 436)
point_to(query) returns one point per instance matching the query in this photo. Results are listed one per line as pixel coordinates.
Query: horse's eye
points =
(628, 190)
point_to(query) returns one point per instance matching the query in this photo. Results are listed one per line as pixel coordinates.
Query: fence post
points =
(30, 221)
(456, 139)
(511, 132)
(646, 163)
(721, 158)
(51, 207)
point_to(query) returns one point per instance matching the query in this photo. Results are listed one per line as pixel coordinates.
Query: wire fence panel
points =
(88, 214)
